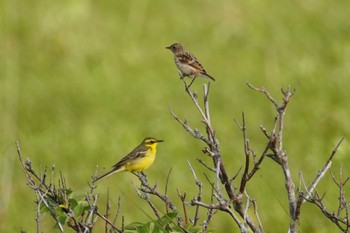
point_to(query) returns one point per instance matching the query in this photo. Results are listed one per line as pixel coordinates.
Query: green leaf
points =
(195, 229)
(73, 203)
(133, 226)
(68, 191)
(167, 218)
(155, 226)
(77, 195)
(44, 209)
(80, 208)
(84, 204)
(152, 227)
(62, 217)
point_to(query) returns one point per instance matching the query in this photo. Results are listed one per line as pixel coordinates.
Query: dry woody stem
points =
(227, 190)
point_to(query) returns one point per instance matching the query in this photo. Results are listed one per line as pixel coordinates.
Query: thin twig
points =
(166, 188)
(207, 166)
(199, 195)
(108, 221)
(145, 196)
(322, 172)
(265, 92)
(194, 132)
(108, 207)
(148, 189)
(183, 199)
(37, 217)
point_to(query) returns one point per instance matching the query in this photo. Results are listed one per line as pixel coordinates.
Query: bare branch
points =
(313, 197)
(145, 196)
(194, 132)
(213, 151)
(265, 92)
(183, 199)
(108, 207)
(322, 172)
(199, 196)
(166, 187)
(280, 156)
(207, 166)
(146, 188)
(108, 221)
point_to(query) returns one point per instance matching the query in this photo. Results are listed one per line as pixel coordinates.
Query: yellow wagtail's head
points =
(151, 142)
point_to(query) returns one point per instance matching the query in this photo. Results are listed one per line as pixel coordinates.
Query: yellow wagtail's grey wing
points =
(138, 152)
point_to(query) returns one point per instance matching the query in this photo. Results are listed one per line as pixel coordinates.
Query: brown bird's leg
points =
(192, 82)
(186, 87)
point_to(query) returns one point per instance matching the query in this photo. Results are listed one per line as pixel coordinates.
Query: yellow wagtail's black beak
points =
(159, 140)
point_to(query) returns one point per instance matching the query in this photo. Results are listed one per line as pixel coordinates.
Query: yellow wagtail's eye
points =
(150, 142)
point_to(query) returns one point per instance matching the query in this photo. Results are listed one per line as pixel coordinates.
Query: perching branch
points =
(212, 149)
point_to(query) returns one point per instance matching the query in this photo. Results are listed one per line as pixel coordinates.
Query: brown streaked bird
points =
(138, 159)
(187, 64)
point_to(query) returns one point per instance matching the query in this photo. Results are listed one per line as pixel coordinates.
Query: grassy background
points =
(83, 82)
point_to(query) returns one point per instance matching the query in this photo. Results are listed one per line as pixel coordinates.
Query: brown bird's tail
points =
(212, 78)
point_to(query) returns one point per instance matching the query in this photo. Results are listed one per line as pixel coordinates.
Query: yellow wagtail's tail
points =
(111, 172)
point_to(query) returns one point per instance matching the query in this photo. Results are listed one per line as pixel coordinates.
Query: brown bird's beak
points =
(168, 47)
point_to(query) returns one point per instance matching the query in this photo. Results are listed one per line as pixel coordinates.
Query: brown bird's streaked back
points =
(187, 64)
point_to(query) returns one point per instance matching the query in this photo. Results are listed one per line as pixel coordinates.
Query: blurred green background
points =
(83, 82)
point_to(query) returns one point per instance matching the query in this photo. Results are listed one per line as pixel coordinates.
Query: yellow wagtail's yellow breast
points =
(141, 163)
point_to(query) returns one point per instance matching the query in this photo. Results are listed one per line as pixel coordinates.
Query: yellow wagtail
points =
(138, 159)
